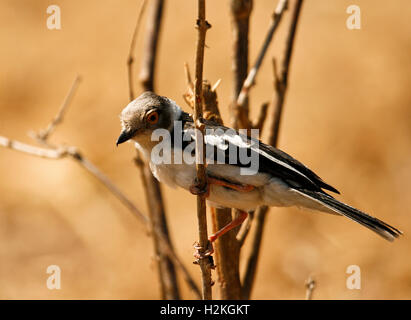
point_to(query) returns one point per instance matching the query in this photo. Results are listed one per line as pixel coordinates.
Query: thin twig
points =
(33, 150)
(310, 285)
(240, 20)
(245, 229)
(189, 94)
(262, 117)
(252, 258)
(153, 28)
(205, 265)
(44, 134)
(240, 107)
(130, 59)
(261, 212)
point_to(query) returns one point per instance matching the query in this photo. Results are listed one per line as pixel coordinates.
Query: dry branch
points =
(130, 60)
(240, 106)
(152, 189)
(310, 285)
(205, 264)
(240, 19)
(59, 117)
(280, 86)
(153, 28)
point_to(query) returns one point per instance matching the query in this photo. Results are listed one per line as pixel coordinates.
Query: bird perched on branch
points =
(270, 177)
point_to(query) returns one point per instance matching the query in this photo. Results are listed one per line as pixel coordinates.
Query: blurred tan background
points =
(347, 116)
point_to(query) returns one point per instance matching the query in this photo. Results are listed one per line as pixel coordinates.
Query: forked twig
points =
(240, 107)
(44, 134)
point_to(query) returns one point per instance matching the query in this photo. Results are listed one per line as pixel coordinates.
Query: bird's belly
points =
(267, 191)
(225, 197)
(175, 175)
(277, 193)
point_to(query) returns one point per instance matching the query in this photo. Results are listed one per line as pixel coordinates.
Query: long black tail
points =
(380, 227)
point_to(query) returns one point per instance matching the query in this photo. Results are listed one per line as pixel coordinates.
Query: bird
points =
(165, 135)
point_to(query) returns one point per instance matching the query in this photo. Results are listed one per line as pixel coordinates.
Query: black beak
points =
(124, 136)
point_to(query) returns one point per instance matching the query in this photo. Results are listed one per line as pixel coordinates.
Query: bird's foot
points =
(201, 253)
(198, 190)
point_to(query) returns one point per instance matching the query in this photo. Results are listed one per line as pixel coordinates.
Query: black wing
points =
(271, 160)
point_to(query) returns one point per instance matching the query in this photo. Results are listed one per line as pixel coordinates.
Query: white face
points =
(145, 114)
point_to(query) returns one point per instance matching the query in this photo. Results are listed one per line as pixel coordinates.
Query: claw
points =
(198, 191)
(200, 253)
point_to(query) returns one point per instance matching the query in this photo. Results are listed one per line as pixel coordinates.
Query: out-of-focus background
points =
(347, 116)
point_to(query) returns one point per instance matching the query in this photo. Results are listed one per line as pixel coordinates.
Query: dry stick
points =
(262, 116)
(58, 118)
(310, 285)
(205, 264)
(227, 247)
(56, 153)
(153, 28)
(166, 270)
(130, 60)
(280, 84)
(241, 109)
(240, 20)
(33, 150)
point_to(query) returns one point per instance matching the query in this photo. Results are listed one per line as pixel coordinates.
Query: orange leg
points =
(210, 249)
(194, 189)
(235, 223)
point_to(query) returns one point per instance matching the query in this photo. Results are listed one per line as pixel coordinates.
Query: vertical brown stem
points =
(154, 197)
(205, 264)
(153, 27)
(240, 19)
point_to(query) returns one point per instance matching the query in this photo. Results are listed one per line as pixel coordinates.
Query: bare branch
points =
(32, 150)
(240, 19)
(44, 134)
(153, 28)
(280, 90)
(259, 124)
(252, 258)
(189, 94)
(205, 265)
(152, 189)
(130, 60)
(245, 229)
(240, 107)
(310, 285)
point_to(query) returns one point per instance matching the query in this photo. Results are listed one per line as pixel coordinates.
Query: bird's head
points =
(145, 114)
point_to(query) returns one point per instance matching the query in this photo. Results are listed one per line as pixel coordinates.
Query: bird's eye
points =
(152, 117)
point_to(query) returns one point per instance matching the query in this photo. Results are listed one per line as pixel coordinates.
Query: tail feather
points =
(380, 227)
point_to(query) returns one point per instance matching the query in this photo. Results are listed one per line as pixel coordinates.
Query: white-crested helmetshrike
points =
(242, 172)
